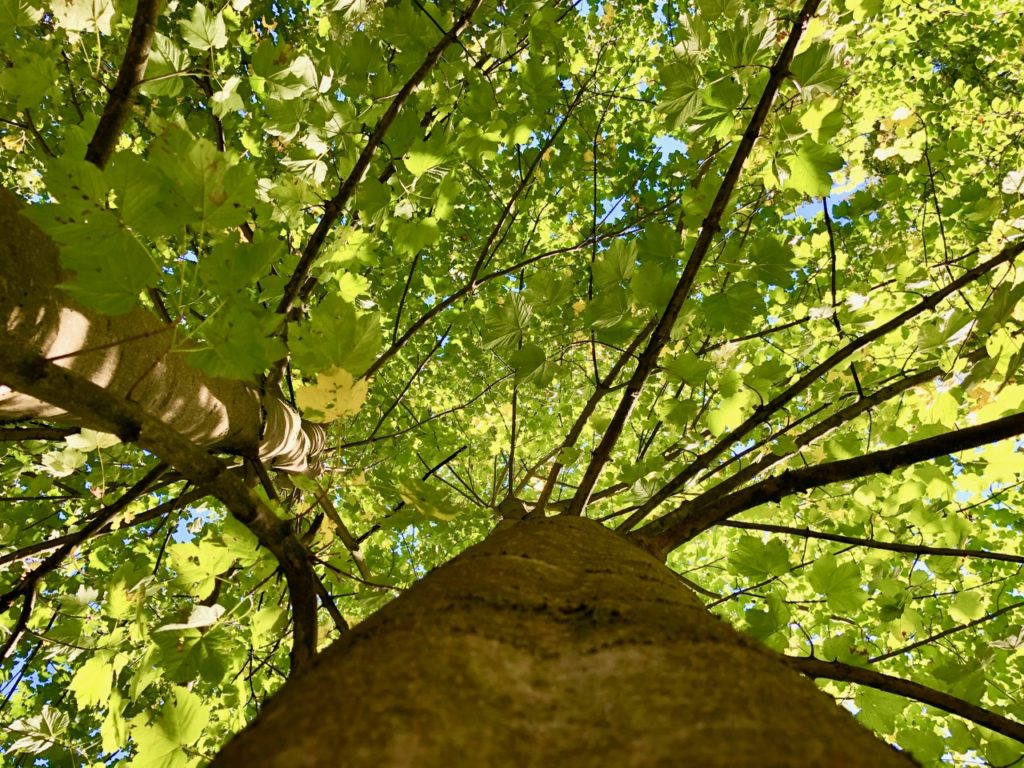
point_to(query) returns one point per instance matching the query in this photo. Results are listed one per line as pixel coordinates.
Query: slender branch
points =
(890, 546)
(845, 673)
(327, 505)
(334, 207)
(426, 476)
(11, 643)
(30, 373)
(31, 125)
(945, 633)
(837, 419)
(710, 227)
(683, 523)
(29, 582)
(438, 342)
(471, 287)
(78, 538)
(133, 68)
(332, 608)
(486, 252)
(602, 389)
(761, 414)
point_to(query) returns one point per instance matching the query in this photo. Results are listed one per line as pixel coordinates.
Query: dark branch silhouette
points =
(130, 74)
(30, 373)
(683, 523)
(762, 413)
(297, 285)
(845, 673)
(710, 227)
(890, 546)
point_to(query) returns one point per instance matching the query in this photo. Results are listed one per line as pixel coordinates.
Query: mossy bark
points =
(554, 642)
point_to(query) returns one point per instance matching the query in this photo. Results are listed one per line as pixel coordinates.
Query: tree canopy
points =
(739, 279)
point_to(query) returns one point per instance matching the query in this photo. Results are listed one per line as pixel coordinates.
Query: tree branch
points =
(945, 633)
(82, 535)
(336, 205)
(602, 389)
(845, 673)
(32, 374)
(890, 546)
(760, 414)
(133, 69)
(682, 524)
(710, 227)
(823, 427)
(17, 434)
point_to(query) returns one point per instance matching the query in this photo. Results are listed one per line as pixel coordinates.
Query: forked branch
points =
(334, 207)
(762, 413)
(710, 227)
(683, 523)
(34, 375)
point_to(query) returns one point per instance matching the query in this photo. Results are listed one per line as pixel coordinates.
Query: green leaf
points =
(235, 265)
(111, 266)
(682, 98)
(840, 583)
(966, 606)
(204, 30)
(815, 69)
(92, 682)
(180, 724)
(615, 265)
(336, 336)
(809, 169)
(412, 236)
(506, 323)
(186, 655)
(757, 559)
(239, 343)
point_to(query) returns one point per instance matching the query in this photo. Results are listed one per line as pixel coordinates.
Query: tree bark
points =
(554, 642)
(134, 356)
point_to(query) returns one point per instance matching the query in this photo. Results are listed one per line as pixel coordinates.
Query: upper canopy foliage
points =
(451, 231)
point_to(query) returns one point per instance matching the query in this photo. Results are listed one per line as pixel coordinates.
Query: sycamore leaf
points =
(966, 607)
(1013, 183)
(336, 336)
(427, 500)
(38, 733)
(204, 30)
(682, 98)
(89, 440)
(180, 724)
(91, 683)
(809, 169)
(335, 395)
(758, 559)
(506, 323)
(840, 583)
(187, 654)
(83, 15)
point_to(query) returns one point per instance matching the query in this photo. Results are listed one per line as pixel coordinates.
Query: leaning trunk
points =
(134, 356)
(552, 643)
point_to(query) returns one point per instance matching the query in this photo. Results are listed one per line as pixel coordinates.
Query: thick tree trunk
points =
(554, 642)
(131, 356)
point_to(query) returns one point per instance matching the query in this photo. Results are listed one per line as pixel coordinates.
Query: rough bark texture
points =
(131, 357)
(554, 642)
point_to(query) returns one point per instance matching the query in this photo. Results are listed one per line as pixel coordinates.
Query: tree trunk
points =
(134, 356)
(554, 642)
